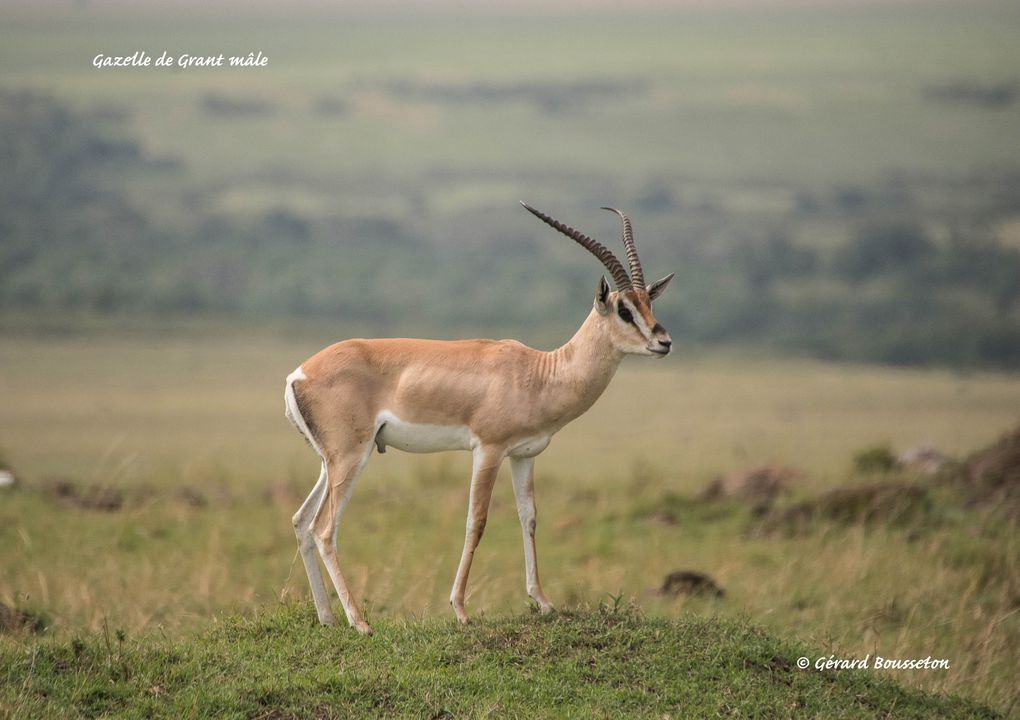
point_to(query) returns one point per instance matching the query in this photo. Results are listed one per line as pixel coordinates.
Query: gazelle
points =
(497, 398)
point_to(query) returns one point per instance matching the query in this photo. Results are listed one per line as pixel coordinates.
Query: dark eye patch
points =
(624, 313)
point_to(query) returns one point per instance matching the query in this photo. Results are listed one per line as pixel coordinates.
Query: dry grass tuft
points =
(894, 503)
(991, 476)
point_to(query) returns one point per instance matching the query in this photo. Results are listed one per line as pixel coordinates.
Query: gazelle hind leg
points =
(306, 546)
(522, 470)
(483, 476)
(341, 477)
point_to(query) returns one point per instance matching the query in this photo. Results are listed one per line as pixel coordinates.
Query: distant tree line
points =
(73, 239)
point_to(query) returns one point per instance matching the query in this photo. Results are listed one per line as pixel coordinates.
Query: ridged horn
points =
(637, 275)
(604, 254)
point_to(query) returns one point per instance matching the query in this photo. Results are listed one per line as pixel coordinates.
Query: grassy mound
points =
(600, 663)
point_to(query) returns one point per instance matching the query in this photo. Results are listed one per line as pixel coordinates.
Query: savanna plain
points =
(835, 185)
(159, 477)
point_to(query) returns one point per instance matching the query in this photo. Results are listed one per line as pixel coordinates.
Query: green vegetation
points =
(878, 459)
(594, 663)
(158, 477)
(816, 194)
(832, 184)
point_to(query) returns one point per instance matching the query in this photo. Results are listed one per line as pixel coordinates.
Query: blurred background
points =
(836, 185)
(839, 180)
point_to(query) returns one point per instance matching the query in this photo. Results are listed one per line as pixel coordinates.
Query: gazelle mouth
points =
(661, 351)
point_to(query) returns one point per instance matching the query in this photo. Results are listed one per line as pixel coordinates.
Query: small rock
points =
(690, 582)
(13, 619)
(923, 459)
(758, 486)
(88, 497)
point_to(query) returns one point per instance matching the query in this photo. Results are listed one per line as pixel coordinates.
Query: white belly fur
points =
(425, 438)
(422, 438)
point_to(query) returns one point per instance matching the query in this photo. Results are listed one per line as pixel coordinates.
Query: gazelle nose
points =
(666, 343)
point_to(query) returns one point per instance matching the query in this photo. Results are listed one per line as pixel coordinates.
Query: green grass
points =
(593, 663)
(168, 420)
(741, 110)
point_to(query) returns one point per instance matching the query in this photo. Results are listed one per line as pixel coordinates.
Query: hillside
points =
(817, 189)
(601, 663)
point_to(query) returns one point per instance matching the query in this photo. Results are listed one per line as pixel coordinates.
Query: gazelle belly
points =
(421, 437)
(530, 447)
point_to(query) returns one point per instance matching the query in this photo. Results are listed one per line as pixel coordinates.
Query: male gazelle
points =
(497, 398)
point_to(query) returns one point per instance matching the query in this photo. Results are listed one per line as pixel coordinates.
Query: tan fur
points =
(502, 390)
(509, 397)
(643, 305)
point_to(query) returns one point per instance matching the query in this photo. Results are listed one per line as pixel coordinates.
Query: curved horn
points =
(637, 275)
(613, 265)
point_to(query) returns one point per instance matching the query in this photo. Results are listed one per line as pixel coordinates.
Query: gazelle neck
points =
(579, 371)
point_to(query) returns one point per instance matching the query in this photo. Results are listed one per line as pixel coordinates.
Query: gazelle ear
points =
(602, 296)
(656, 288)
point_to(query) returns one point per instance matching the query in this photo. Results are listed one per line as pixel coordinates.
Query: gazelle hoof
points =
(362, 627)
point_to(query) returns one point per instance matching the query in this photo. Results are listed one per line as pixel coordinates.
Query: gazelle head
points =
(626, 313)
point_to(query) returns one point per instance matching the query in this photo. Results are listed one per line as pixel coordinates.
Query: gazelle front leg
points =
(483, 476)
(523, 472)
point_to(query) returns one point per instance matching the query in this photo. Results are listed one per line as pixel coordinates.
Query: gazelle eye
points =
(624, 314)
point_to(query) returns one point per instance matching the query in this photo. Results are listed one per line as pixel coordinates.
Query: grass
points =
(607, 662)
(740, 109)
(190, 432)
(110, 408)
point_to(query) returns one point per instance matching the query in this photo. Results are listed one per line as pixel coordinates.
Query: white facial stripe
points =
(639, 320)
